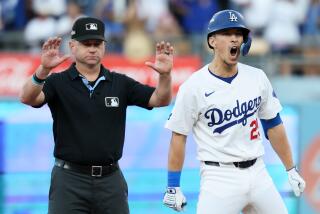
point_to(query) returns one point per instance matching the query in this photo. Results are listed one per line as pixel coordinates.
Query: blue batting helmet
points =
(227, 19)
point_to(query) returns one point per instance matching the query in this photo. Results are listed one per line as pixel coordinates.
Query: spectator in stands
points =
(311, 39)
(156, 17)
(167, 26)
(13, 16)
(57, 7)
(147, 20)
(282, 31)
(169, 29)
(88, 6)
(1, 19)
(65, 22)
(41, 27)
(112, 13)
(150, 12)
(193, 16)
(256, 13)
(137, 41)
(311, 25)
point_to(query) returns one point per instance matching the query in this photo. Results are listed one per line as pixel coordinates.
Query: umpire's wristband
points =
(36, 80)
(174, 178)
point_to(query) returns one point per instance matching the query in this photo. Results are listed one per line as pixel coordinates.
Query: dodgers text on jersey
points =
(239, 114)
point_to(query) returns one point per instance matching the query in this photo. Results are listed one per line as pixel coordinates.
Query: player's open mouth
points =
(234, 50)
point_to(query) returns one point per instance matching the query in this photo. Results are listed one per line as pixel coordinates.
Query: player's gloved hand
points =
(174, 198)
(296, 181)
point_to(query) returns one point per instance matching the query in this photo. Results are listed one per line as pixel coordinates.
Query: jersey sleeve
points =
(48, 90)
(138, 93)
(184, 113)
(270, 105)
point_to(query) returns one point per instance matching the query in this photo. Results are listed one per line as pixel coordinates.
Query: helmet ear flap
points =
(245, 46)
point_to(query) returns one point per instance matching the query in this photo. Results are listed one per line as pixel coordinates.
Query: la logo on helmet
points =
(233, 17)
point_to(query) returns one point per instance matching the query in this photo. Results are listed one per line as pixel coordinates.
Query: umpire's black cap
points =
(85, 28)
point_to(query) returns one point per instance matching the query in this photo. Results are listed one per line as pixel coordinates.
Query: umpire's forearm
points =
(280, 144)
(163, 93)
(177, 152)
(31, 93)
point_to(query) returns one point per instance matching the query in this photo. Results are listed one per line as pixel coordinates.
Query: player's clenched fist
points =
(296, 181)
(174, 198)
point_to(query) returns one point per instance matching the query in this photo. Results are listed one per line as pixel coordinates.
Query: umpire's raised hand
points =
(163, 59)
(163, 65)
(31, 92)
(50, 56)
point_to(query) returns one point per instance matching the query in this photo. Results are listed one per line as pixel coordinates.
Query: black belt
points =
(242, 164)
(94, 171)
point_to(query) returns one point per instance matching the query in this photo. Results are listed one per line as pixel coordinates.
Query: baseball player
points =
(222, 104)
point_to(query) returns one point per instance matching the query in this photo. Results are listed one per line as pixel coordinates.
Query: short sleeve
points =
(184, 113)
(49, 87)
(270, 105)
(138, 94)
(48, 90)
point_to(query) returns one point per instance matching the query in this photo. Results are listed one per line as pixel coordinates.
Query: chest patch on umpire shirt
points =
(111, 101)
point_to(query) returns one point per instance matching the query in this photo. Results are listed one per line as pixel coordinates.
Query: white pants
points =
(226, 189)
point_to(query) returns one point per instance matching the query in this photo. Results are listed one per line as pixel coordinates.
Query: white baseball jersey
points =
(224, 116)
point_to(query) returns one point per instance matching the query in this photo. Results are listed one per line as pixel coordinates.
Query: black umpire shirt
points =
(89, 128)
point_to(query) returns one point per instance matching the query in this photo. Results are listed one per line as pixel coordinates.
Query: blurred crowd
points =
(280, 28)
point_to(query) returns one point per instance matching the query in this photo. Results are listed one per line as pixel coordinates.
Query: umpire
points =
(88, 105)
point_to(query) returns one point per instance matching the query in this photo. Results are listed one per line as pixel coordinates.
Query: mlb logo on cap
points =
(86, 28)
(91, 26)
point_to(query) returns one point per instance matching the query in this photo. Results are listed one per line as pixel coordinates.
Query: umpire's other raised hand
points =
(50, 56)
(31, 92)
(163, 59)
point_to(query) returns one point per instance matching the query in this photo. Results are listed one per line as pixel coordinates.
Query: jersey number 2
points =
(254, 131)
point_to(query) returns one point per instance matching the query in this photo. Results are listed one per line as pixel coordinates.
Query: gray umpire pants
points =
(76, 193)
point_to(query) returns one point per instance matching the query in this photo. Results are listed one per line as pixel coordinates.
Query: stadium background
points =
(291, 63)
